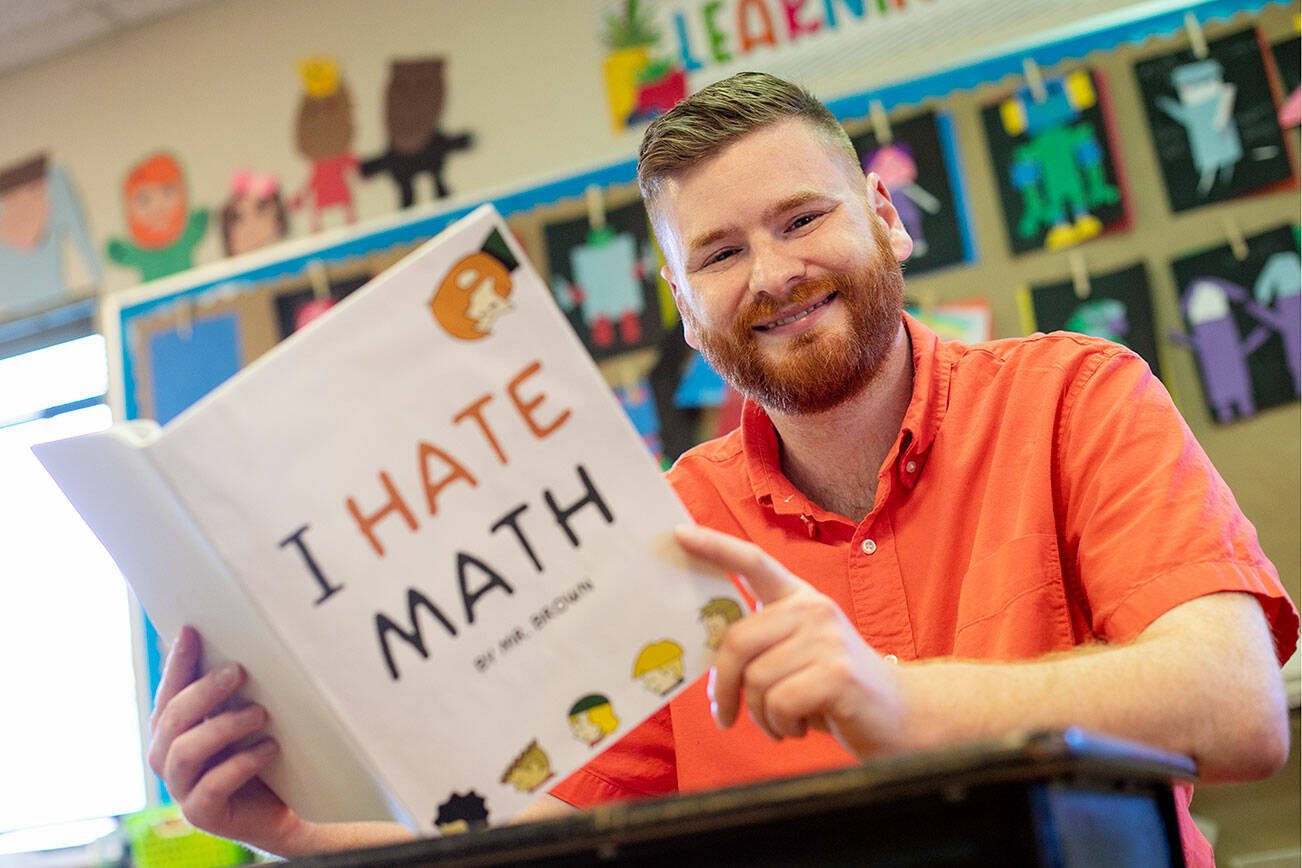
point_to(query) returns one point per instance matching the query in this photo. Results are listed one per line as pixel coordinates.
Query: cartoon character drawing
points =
(530, 770)
(592, 719)
(895, 165)
(1060, 170)
(1206, 111)
(1101, 318)
(639, 87)
(462, 813)
(39, 212)
(254, 214)
(164, 232)
(659, 666)
(323, 133)
(715, 616)
(1277, 302)
(413, 109)
(1221, 352)
(476, 291)
(608, 273)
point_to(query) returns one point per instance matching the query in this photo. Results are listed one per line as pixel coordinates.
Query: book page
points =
(437, 502)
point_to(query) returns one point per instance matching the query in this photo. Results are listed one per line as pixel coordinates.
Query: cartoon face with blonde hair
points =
(659, 666)
(472, 296)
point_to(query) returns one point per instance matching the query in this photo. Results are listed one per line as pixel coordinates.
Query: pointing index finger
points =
(768, 580)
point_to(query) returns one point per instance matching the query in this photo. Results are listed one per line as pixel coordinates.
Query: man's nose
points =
(774, 269)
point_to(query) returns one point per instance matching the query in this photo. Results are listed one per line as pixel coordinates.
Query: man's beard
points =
(817, 371)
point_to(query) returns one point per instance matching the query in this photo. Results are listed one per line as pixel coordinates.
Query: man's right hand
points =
(209, 757)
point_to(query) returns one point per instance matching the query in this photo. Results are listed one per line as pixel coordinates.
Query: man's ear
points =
(879, 199)
(689, 329)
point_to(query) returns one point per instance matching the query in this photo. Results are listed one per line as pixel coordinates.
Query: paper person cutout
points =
(476, 291)
(592, 719)
(716, 615)
(604, 279)
(1241, 319)
(1119, 307)
(254, 214)
(462, 812)
(39, 212)
(323, 133)
(164, 232)
(413, 110)
(1056, 172)
(1213, 122)
(530, 770)
(659, 666)
(919, 168)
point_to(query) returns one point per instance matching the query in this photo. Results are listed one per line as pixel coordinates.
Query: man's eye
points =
(719, 256)
(804, 220)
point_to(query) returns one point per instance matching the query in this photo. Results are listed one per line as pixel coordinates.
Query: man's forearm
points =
(1202, 680)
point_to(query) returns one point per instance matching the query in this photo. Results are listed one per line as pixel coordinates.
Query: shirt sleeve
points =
(639, 765)
(1149, 523)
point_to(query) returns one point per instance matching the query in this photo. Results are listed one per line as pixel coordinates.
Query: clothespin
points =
(881, 123)
(319, 278)
(1080, 274)
(1235, 236)
(185, 317)
(596, 207)
(1034, 80)
(1197, 39)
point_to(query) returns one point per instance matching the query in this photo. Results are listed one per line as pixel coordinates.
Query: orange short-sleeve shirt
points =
(1043, 492)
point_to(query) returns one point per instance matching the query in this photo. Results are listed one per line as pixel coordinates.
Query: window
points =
(70, 738)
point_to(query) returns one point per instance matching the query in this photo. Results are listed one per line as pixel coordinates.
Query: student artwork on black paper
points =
(1242, 320)
(1288, 58)
(603, 278)
(1214, 122)
(1058, 177)
(1117, 307)
(919, 168)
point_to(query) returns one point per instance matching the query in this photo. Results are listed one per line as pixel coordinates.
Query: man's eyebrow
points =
(795, 200)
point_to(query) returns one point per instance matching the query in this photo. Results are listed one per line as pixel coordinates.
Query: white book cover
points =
(430, 533)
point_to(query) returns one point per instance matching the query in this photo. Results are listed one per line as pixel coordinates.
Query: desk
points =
(1063, 798)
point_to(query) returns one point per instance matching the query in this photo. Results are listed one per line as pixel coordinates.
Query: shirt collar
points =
(933, 362)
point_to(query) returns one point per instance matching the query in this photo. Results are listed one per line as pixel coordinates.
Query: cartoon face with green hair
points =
(592, 719)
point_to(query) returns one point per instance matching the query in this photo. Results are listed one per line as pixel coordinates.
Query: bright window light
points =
(70, 744)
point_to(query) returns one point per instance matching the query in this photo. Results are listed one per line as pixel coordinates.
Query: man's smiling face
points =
(783, 267)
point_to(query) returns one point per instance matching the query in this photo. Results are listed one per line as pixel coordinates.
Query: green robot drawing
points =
(1059, 170)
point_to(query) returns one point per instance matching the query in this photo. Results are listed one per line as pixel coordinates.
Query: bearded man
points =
(949, 542)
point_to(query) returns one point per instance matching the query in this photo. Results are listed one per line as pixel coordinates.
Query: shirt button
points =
(891, 658)
(868, 546)
(911, 467)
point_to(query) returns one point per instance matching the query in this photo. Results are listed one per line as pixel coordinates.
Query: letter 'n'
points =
(384, 626)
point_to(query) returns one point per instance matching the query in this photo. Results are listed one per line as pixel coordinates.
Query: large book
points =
(427, 530)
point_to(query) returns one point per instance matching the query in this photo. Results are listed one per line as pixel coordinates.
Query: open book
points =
(426, 528)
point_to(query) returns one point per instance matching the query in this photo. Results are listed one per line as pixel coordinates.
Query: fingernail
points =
(265, 748)
(254, 714)
(228, 674)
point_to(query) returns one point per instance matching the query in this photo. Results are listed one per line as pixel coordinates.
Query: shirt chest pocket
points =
(1012, 604)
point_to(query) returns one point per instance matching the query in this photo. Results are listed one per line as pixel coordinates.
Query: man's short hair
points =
(708, 121)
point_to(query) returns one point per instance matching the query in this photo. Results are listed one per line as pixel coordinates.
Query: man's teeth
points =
(796, 316)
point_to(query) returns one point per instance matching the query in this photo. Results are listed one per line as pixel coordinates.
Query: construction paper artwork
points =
(254, 214)
(1214, 122)
(413, 113)
(642, 83)
(1118, 307)
(1242, 320)
(39, 214)
(188, 363)
(1058, 177)
(1288, 59)
(323, 134)
(163, 230)
(604, 279)
(917, 168)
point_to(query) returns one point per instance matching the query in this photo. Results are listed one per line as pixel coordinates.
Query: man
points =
(949, 543)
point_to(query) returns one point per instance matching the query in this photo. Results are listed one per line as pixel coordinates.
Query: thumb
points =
(769, 581)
